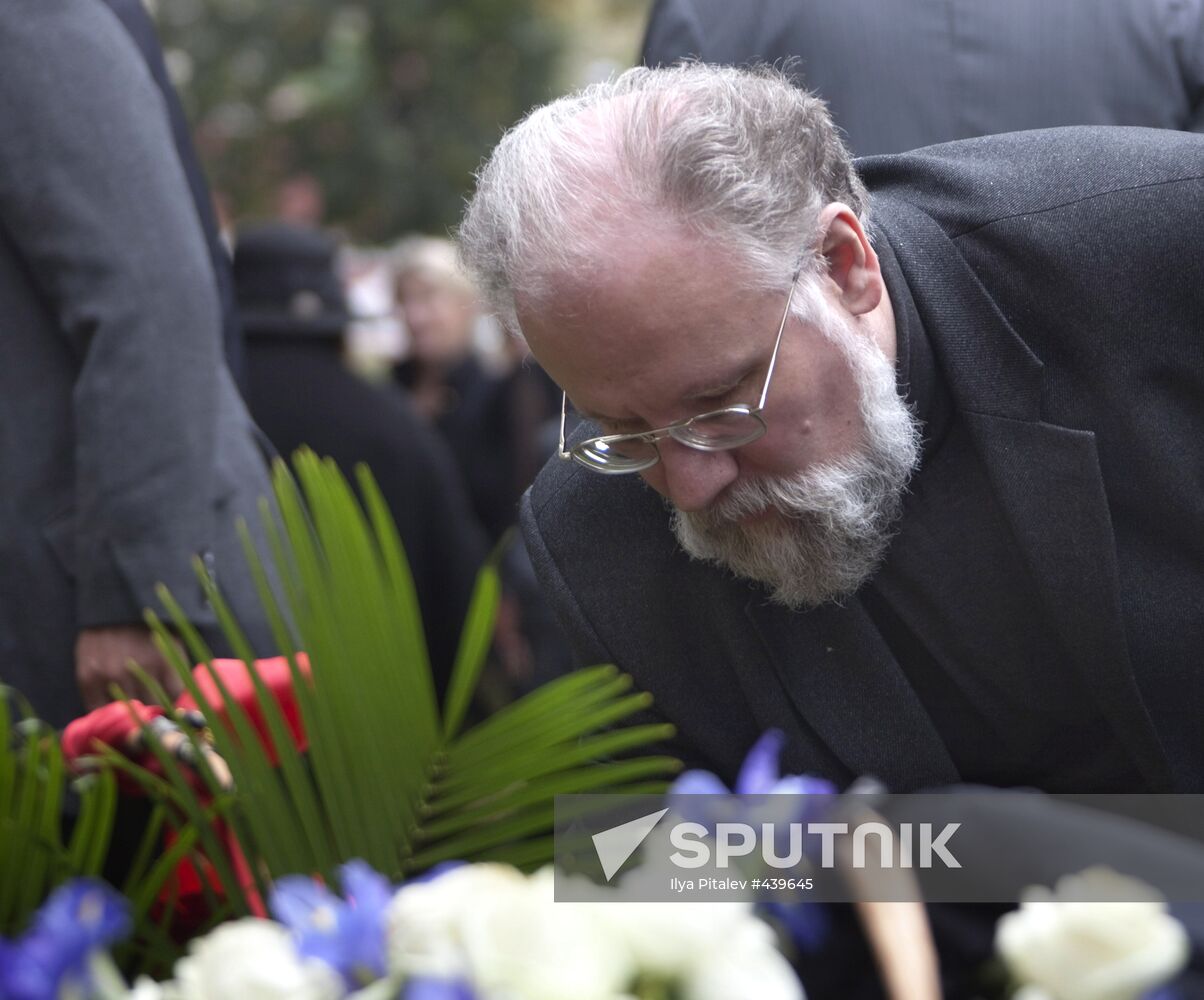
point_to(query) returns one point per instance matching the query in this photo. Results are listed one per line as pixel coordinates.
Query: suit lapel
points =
(1046, 478)
(845, 683)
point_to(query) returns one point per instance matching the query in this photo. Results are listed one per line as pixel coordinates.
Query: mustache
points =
(834, 491)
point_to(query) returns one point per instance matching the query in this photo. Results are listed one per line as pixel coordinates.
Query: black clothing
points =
(300, 393)
(491, 424)
(1007, 708)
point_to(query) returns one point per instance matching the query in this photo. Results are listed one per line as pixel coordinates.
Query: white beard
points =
(835, 519)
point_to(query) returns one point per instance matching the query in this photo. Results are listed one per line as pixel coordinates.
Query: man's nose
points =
(689, 478)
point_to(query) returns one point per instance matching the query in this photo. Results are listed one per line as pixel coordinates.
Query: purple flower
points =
(806, 924)
(760, 775)
(428, 988)
(348, 934)
(79, 917)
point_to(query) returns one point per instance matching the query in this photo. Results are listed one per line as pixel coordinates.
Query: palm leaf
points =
(388, 777)
(35, 856)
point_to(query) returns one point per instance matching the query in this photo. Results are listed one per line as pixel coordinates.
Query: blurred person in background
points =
(491, 419)
(501, 428)
(125, 448)
(301, 393)
(902, 74)
(301, 200)
(439, 307)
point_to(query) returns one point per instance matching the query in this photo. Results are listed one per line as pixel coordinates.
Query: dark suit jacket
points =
(125, 448)
(899, 74)
(1058, 276)
(134, 18)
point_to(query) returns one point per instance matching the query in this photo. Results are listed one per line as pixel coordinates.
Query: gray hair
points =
(740, 156)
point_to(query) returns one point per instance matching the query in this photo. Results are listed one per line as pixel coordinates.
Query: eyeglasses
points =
(715, 430)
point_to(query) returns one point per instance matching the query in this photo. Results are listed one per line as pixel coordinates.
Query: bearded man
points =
(905, 459)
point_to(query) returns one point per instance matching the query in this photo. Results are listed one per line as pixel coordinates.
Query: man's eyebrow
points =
(719, 387)
(702, 391)
(627, 423)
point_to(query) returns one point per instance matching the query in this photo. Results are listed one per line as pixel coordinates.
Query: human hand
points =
(169, 730)
(102, 658)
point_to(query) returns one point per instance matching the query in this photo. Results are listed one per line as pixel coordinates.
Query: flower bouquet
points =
(467, 932)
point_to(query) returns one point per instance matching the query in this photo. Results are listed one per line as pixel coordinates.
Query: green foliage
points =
(388, 776)
(389, 104)
(35, 855)
(55, 827)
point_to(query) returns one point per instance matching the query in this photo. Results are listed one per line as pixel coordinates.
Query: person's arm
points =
(94, 201)
(1191, 53)
(137, 22)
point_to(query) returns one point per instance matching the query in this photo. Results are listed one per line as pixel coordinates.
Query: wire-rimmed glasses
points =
(716, 430)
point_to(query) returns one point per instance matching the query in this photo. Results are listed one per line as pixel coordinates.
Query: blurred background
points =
(371, 116)
(368, 119)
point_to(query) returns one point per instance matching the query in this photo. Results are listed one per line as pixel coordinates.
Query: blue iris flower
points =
(348, 934)
(760, 775)
(427, 988)
(79, 917)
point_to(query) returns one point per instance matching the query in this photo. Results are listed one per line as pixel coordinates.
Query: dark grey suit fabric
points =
(134, 18)
(125, 448)
(900, 74)
(1059, 279)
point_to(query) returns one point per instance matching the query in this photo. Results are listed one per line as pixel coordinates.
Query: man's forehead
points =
(618, 354)
(645, 263)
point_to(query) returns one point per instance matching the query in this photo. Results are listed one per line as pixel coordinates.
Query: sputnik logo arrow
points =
(616, 845)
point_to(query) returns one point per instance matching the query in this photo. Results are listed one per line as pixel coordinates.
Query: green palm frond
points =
(390, 776)
(35, 852)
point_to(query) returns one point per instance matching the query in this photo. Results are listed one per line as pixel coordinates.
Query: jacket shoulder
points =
(974, 182)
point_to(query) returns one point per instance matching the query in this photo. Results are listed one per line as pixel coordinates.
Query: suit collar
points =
(1046, 478)
(993, 371)
(844, 682)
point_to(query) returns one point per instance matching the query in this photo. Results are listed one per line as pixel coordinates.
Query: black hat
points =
(286, 284)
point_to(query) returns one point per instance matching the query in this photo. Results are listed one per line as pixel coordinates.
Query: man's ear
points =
(851, 261)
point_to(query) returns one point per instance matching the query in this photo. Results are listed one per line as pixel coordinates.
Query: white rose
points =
(1074, 945)
(252, 960)
(145, 989)
(668, 939)
(748, 965)
(505, 933)
(714, 951)
(424, 932)
(1031, 993)
(526, 945)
